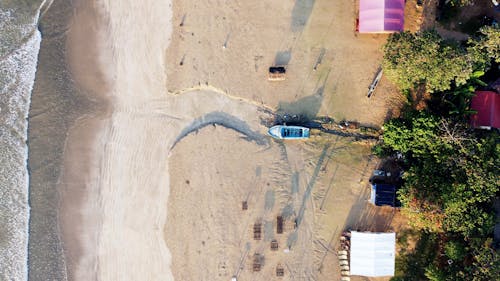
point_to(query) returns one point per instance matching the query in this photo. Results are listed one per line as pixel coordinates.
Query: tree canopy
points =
(450, 181)
(461, 3)
(452, 173)
(412, 59)
(487, 46)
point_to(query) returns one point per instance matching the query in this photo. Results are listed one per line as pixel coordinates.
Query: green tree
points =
(486, 264)
(452, 176)
(451, 172)
(433, 273)
(486, 47)
(457, 100)
(455, 250)
(415, 135)
(412, 59)
(461, 3)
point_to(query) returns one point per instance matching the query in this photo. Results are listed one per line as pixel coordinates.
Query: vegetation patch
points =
(451, 170)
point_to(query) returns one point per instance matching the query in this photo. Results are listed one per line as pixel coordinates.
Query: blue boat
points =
(284, 132)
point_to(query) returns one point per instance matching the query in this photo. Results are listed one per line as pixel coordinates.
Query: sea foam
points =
(18, 61)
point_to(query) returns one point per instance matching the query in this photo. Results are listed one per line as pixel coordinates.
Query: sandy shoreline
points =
(116, 179)
(101, 200)
(79, 216)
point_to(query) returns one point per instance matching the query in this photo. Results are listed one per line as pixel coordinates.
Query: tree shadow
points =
(303, 111)
(411, 265)
(301, 13)
(357, 209)
(311, 184)
(283, 57)
(300, 111)
(375, 219)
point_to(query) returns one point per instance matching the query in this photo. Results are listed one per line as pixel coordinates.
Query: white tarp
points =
(373, 254)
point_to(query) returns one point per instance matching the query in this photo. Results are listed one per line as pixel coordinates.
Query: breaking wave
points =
(18, 61)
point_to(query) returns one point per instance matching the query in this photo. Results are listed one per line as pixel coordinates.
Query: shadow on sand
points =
(302, 112)
(364, 216)
(300, 14)
(225, 120)
(283, 57)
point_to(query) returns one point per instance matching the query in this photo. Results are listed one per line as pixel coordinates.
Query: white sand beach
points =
(161, 82)
(125, 180)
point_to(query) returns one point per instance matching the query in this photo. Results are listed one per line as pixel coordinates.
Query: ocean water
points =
(19, 46)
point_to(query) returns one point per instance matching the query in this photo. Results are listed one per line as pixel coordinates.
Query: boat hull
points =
(289, 132)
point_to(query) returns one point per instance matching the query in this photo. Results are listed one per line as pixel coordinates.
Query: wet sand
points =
(55, 106)
(88, 60)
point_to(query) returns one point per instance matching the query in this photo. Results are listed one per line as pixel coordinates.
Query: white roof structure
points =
(373, 254)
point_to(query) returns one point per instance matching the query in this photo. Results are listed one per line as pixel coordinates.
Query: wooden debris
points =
(344, 125)
(274, 245)
(279, 224)
(257, 231)
(280, 270)
(257, 262)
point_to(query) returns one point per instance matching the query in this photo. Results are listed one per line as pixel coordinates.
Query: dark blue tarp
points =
(383, 194)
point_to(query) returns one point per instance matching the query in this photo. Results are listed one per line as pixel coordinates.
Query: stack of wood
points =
(279, 224)
(257, 231)
(280, 271)
(274, 245)
(257, 262)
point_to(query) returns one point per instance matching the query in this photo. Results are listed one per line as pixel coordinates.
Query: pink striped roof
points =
(487, 105)
(379, 16)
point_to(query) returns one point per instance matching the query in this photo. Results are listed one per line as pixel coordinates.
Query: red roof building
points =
(487, 105)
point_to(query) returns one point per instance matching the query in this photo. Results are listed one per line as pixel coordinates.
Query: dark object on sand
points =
(257, 231)
(274, 245)
(279, 224)
(277, 73)
(280, 271)
(257, 262)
